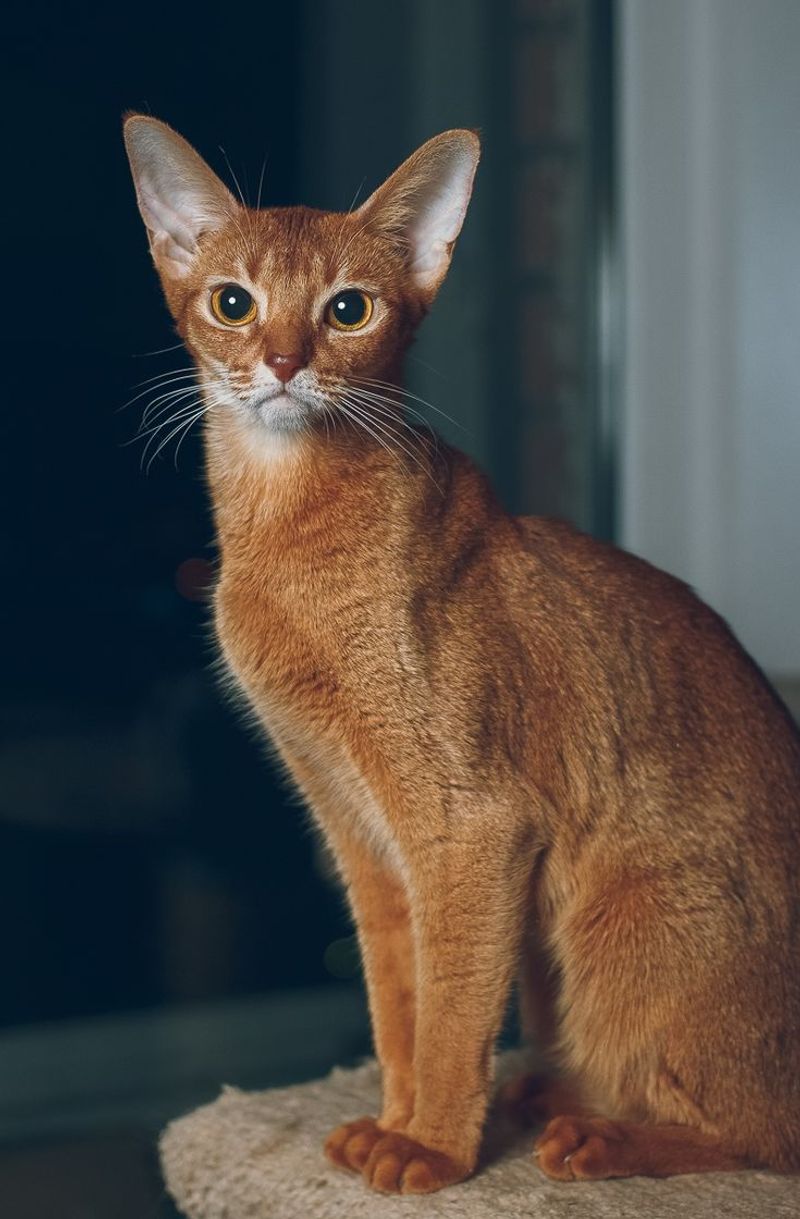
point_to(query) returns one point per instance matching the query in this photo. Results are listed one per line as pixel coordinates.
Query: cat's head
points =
(287, 311)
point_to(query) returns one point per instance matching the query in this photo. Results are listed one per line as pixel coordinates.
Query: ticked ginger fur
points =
(533, 756)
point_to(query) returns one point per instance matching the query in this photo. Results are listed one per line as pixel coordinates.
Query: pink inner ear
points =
(432, 234)
(426, 199)
(171, 234)
(437, 222)
(179, 196)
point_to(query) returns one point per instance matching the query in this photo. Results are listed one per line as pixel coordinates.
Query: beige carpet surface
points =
(258, 1155)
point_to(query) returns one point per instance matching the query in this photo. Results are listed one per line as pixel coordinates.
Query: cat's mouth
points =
(283, 408)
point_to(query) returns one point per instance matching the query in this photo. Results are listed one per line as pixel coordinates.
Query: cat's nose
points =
(284, 366)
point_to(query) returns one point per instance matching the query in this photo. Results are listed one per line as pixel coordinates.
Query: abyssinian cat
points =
(531, 754)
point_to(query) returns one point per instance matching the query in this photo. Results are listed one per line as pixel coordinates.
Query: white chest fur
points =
(330, 779)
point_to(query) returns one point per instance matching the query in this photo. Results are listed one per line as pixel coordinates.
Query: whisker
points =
(186, 432)
(166, 401)
(174, 385)
(174, 407)
(181, 413)
(246, 215)
(185, 423)
(389, 423)
(393, 438)
(371, 407)
(167, 373)
(359, 422)
(167, 379)
(177, 400)
(165, 442)
(362, 409)
(261, 182)
(359, 189)
(154, 389)
(408, 394)
(233, 175)
(430, 368)
(400, 408)
(140, 355)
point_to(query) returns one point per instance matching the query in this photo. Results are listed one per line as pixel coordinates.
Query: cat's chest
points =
(318, 686)
(303, 650)
(331, 757)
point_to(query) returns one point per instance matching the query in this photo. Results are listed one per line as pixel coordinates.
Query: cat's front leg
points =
(468, 901)
(380, 908)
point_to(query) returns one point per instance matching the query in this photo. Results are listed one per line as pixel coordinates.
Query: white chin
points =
(283, 413)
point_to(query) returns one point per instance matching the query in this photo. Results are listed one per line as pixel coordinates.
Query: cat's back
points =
(642, 647)
(598, 571)
(615, 598)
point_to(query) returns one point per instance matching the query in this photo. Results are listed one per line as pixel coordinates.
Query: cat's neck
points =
(295, 491)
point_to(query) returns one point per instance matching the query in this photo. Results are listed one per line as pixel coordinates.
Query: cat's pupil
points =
(235, 302)
(349, 307)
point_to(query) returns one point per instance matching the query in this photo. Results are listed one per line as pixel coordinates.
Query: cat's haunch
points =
(533, 756)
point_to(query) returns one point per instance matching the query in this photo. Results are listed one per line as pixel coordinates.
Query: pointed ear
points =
(424, 202)
(179, 196)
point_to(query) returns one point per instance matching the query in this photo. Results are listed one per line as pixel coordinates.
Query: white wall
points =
(710, 175)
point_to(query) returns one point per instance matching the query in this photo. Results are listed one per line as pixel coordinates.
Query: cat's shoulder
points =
(564, 549)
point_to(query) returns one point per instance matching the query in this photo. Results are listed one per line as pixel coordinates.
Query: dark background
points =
(146, 849)
(149, 854)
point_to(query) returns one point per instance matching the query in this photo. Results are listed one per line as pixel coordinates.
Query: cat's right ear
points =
(179, 197)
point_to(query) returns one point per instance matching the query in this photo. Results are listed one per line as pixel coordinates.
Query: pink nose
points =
(284, 366)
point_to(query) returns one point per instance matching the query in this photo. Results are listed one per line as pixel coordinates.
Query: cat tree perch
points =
(258, 1155)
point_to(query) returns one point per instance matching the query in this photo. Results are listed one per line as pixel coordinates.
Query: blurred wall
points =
(518, 347)
(379, 81)
(710, 429)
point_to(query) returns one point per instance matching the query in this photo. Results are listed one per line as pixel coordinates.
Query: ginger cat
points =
(531, 754)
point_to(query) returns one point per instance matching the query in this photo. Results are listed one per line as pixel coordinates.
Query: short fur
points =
(532, 754)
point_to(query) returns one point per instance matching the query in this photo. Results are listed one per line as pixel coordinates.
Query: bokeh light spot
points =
(194, 578)
(341, 958)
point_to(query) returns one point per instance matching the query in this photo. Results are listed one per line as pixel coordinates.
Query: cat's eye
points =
(349, 310)
(233, 305)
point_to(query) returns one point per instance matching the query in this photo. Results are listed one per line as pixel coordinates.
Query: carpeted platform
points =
(258, 1155)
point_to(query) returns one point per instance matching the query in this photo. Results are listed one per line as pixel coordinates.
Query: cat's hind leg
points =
(583, 1148)
(689, 1063)
(534, 1097)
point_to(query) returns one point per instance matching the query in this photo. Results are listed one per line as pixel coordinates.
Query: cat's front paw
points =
(349, 1145)
(399, 1165)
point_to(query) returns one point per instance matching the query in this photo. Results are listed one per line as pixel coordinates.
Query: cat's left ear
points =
(179, 197)
(423, 204)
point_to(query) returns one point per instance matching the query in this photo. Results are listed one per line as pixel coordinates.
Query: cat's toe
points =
(400, 1165)
(349, 1145)
(579, 1149)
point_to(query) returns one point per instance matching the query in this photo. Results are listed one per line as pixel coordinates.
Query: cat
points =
(532, 755)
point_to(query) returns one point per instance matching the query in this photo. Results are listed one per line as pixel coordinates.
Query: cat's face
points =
(293, 314)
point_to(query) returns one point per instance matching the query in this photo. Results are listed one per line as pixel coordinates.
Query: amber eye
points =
(349, 310)
(233, 305)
